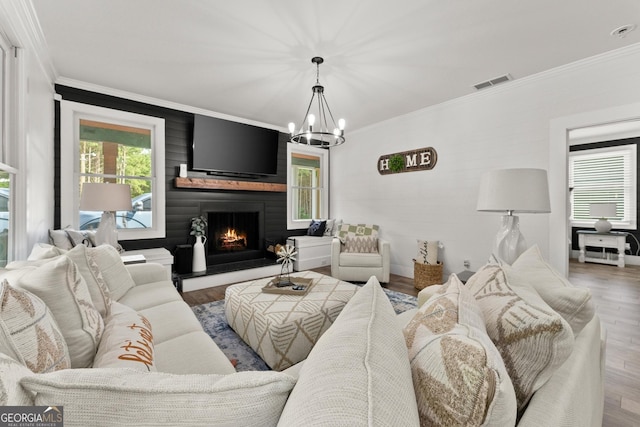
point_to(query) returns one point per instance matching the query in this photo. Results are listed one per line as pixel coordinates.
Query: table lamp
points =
(108, 198)
(513, 191)
(603, 211)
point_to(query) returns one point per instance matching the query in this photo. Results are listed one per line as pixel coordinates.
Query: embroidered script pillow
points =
(127, 341)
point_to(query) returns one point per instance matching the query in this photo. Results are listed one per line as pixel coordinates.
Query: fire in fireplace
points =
(233, 231)
(232, 240)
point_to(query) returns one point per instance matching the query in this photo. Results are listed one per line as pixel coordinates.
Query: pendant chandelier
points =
(318, 133)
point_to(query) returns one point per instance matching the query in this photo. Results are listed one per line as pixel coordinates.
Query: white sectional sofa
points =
(361, 371)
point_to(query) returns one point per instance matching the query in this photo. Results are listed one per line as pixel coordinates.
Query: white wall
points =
(505, 126)
(34, 128)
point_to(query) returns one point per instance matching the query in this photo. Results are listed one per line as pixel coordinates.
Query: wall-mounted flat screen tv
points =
(226, 147)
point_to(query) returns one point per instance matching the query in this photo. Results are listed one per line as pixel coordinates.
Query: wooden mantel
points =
(225, 184)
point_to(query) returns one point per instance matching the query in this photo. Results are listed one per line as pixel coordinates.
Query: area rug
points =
(213, 321)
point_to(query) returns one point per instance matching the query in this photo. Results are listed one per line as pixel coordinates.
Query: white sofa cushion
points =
(192, 353)
(127, 341)
(150, 295)
(171, 320)
(358, 372)
(458, 374)
(348, 259)
(119, 397)
(59, 284)
(28, 332)
(11, 392)
(573, 303)
(533, 340)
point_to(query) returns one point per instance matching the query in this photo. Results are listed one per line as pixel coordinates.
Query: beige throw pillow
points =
(105, 260)
(28, 332)
(458, 375)
(127, 341)
(59, 284)
(86, 260)
(427, 252)
(11, 392)
(573, 303)
(533, 340)
(358, 372)
(360, 245)
(123, 397)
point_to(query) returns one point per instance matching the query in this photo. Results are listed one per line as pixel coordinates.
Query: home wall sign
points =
(408, 161)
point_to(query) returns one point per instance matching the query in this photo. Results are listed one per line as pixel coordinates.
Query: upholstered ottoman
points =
(283, 329)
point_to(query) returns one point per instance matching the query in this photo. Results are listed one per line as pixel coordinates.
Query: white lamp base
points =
(603, 226)
(509, 242)
(107, 232)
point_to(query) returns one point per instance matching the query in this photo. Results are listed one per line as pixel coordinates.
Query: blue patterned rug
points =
(214, 322)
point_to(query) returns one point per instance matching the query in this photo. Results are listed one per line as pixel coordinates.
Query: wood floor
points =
(616, 292)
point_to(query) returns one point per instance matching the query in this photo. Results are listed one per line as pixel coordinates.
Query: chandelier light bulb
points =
(336, 132)
(312, 119)
(341, 124)
(292, 128)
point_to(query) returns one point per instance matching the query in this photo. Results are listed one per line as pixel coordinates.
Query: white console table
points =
(615, 240)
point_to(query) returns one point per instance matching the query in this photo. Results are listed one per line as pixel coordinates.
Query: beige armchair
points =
(359, 267)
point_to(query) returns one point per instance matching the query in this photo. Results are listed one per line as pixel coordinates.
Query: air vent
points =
(493, 82)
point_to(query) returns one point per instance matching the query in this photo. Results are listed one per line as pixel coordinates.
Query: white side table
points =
(157, 255)
(616, 240)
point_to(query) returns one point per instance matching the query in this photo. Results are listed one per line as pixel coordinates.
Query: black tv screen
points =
(226, 147)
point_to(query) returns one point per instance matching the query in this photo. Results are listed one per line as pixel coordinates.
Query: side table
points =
(615, 240)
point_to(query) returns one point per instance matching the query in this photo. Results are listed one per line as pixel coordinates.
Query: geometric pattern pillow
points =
(11, 392)
(90, 271)
(59, 284)
(360, 244)
(458, 375)
(533, 339)
(28, 332)
(357, 230)
(573, 303)
(427, 252)
(127, 341)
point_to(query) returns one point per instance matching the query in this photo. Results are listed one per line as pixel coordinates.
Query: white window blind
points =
(604, 175)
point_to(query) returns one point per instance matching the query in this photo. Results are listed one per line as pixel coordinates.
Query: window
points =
(604, 175)
(113, 146)
(9, 101)
(308, 182)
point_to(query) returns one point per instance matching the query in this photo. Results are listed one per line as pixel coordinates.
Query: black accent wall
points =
(181, 204)
(606, 144)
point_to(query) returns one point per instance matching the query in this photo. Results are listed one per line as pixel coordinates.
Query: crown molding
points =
(20, 24)
(91, 87)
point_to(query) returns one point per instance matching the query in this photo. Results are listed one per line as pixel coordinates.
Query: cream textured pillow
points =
(360, 244)
(11, 392)
(122, 397)
(28, 332)
(127, 341)
(427, 252)
(44, 251)
(573, 303)
(59, 284)
(458, 375)
(85, 259)
(533, 339)
(358, 372)
(107, 261)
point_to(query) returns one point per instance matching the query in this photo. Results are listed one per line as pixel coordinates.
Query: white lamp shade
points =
(602, 210)
(516, 190)
(105, 197)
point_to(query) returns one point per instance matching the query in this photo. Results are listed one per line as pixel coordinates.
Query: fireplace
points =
(235, 231)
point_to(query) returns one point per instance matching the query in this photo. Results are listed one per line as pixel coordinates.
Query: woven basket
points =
(426, 275)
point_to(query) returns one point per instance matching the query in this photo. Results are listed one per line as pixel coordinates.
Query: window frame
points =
(630, 150)
(70, 114)
(323, 154)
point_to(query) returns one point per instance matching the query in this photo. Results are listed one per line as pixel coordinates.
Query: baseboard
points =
(212, 280)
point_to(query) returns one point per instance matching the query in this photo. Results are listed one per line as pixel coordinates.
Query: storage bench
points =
(312, 251)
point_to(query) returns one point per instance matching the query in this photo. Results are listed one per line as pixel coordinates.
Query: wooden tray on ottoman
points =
(272, 286)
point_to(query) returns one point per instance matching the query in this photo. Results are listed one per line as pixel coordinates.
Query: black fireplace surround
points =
(235, 231)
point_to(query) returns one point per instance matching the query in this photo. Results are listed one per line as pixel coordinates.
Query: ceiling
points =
(252, 58)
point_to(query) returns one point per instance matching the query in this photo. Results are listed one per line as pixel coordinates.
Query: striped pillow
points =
(361, 245)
